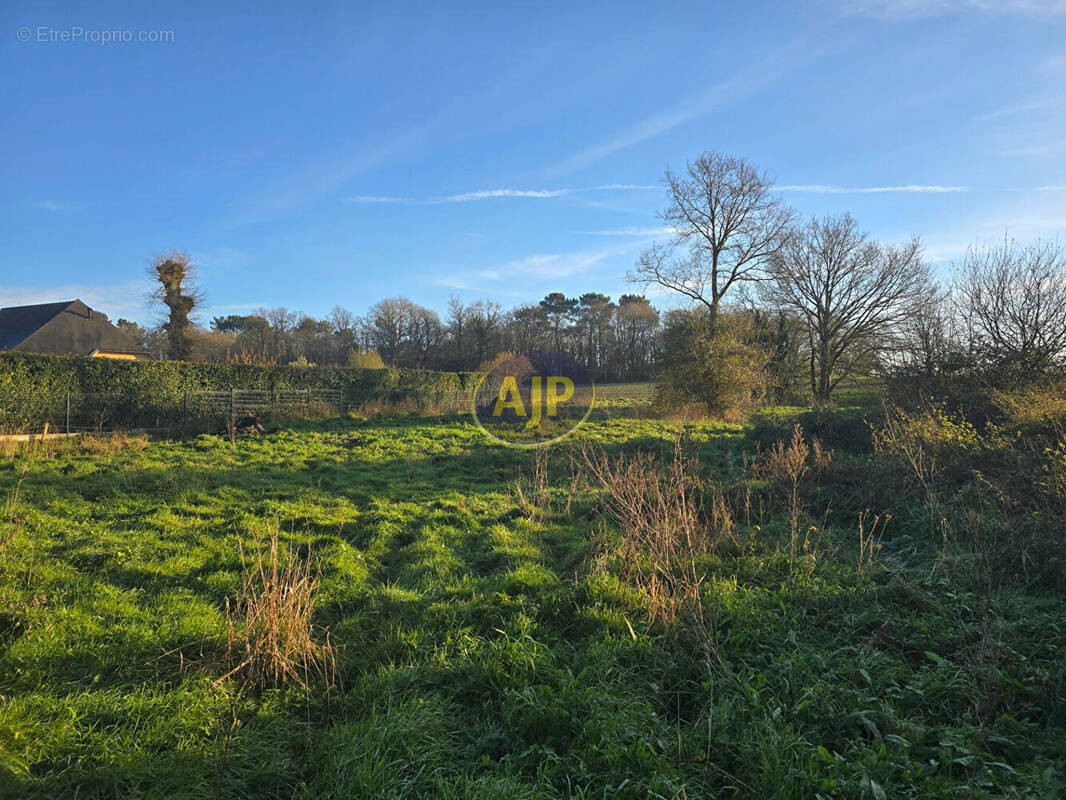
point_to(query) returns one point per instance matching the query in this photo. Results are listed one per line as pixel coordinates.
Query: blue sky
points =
(339, 153)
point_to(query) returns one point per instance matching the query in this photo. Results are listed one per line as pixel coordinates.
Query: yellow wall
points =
(105, 354)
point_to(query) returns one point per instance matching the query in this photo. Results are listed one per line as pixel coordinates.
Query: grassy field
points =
(490, 640)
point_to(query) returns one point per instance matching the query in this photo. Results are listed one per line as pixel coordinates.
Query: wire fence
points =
(199, 411)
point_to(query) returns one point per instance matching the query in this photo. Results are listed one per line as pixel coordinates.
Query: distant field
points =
(614, 394)
(489, 642)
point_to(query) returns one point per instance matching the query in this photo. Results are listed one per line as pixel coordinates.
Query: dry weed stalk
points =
(787, 464)
(666, 533)
(539, 496)
(270, 636)
(870, 540)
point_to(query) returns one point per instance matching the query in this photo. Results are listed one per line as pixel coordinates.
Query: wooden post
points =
(233, 405)
(309, 401)
(68, 414)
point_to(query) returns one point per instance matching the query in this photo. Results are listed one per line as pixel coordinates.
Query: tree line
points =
(779, 307)
(778, 300)
(616, 340)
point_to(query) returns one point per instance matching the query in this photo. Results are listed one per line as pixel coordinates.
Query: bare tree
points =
(282, 322)
(1012, 299)
(425, 334)
(727, 224)
(388, 323)
(851, 293)
(458, 328)
(175, 272)
(929, 341)
(343, 326)
(486, 328)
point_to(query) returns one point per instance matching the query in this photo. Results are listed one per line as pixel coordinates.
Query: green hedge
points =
(33, 388)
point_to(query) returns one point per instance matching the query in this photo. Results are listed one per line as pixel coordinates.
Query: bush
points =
(718, 367)
(365, 359)
(994, 498)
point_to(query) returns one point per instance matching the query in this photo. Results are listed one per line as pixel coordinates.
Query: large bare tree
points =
(852, 294)
(175, 273)
(1012, 300)
(727, 223)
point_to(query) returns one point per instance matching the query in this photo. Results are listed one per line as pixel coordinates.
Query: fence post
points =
(68, 414)
(133, 409)
(273, 401)
(309, 401)
(232, 405)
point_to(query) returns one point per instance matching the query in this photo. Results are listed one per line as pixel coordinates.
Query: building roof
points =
(17, 323)
(68, 327)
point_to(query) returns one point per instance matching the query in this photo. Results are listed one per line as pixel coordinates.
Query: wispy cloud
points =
(485, 194)
(532, 269)
(1035, 126)
(1042, 149)
(490, 194)
(51, 205)
(904, 10)
(781, 61)
(221, 258)
(633, 232)
(1051, 188)
(911, 187)
(555, 265)
(628, 187)
(116, 300)
(1019, 109)
(376, 198)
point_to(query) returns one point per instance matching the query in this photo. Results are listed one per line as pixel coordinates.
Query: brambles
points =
(922, 441)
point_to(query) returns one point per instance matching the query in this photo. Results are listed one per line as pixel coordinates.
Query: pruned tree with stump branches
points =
(175, 272)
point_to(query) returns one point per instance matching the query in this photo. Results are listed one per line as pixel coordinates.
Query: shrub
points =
(718, 367)
(365, 359)
(995, 499)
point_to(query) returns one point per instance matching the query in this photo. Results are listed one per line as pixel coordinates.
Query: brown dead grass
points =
(271, 639)
(669, 522)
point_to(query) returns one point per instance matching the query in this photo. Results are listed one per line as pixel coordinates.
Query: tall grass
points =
(270, 636)
(669, 522)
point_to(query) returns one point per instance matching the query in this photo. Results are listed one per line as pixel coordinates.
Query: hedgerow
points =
(33, 388)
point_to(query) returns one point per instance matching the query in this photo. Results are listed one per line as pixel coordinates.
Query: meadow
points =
(487, 628)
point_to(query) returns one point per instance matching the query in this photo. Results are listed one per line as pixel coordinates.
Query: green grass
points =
(481, 652)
